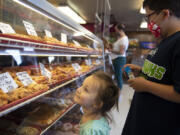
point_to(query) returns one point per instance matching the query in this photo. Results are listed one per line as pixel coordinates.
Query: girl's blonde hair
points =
(108, 93)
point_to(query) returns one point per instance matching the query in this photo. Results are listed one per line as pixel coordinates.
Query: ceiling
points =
(124, 11)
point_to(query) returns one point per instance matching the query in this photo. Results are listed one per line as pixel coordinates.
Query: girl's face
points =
(87, 94)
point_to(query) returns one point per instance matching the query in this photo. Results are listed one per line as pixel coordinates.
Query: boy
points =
(155, 109)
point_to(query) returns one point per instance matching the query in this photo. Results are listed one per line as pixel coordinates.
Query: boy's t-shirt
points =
(150, 114)
(95, 127)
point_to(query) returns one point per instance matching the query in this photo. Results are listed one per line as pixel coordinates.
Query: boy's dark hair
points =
(109, 93)
(121, 26)
(158, 5)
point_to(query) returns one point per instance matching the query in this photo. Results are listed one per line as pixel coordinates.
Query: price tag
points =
(24, 78)
(75, 67)
(98, 62)
(63, 37)
(48, 73)
(42, 68)
(78, 66)
(88, 46)
(6, 28)
(88, 62)
(30, 28)
(77, 43)
(44, 71)
(95, 45)
(7, 83)
(48, 33)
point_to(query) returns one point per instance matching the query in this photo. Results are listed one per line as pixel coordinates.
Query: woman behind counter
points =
(119, 53)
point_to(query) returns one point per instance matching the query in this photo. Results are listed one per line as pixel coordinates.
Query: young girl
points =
(97, 96)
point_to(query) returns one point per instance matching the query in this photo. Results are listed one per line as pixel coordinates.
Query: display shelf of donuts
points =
(17, 41)
(68, 125)
(37, 118)
(57, 119)
(36, 91)
(42, 86)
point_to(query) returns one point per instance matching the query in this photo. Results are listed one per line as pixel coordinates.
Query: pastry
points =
(27, 130)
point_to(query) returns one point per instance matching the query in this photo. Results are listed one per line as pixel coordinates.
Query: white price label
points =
(98, 62)
(88, 46)
(48, 33)
(24, 78)
(75, 67)
(95, 45)
(78, 66)
(88, 62)
(48, 73)
(77, 43)
(7, 83)
(44, 71)
(6, 28)
(63, 37)
(42, 68)
(30, 28)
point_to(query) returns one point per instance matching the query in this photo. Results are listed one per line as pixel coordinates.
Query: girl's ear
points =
(98, 105)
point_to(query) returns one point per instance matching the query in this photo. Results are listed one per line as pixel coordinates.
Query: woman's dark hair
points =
(109, 93)
(121, 26)
(158, 5)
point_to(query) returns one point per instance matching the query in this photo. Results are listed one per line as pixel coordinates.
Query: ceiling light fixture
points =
(70, 13)
(143, 25)
(142, 10)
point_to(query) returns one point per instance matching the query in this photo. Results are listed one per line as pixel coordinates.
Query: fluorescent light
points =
(143, 25)
(70, 13)
(142, 10)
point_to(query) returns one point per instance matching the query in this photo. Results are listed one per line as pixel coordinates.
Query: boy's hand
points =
(135, 69)
(138, 84)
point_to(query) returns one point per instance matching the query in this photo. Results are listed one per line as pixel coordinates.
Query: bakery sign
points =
(24, 78)
(29, 28)
(7, 83)
(6, 28)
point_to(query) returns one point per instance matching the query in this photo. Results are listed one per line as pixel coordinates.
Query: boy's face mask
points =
(154, 28)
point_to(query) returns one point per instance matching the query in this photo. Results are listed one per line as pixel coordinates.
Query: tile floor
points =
(124, 104)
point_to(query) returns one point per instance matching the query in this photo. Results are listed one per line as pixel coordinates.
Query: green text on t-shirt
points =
(153, 70)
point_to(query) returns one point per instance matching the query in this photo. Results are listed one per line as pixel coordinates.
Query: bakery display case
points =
(43, 53)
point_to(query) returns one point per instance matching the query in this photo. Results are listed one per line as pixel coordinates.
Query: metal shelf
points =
(46, 129)
(2, 113)
(40, 48)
